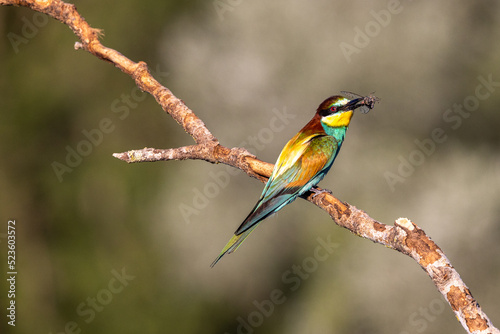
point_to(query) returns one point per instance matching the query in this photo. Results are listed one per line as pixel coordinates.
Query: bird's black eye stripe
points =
(325, 112)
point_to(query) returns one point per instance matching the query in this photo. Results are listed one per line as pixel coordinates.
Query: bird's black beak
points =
(353, 104)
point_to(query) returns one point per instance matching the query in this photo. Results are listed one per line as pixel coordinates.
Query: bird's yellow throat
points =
(338, 120)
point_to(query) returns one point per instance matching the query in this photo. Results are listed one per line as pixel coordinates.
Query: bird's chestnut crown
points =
(337, 104)
(332, 105)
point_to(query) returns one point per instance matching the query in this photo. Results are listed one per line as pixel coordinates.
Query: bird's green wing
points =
(298, 169)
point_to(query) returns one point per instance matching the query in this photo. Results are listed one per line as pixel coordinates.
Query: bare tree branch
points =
(404, 236)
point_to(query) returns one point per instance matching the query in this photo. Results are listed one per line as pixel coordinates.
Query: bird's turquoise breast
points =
(336, 132)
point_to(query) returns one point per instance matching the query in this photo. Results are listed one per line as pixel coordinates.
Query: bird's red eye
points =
(333, 109)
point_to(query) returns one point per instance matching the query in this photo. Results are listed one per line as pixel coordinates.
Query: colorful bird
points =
(304, 161)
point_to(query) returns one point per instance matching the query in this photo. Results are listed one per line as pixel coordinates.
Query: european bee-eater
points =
(304, 161)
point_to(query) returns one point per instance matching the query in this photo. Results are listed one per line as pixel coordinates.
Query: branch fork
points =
(405, 236)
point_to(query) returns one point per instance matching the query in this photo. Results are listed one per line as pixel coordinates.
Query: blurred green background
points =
(106, 247)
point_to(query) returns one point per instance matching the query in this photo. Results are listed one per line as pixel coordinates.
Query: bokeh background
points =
(106, 247)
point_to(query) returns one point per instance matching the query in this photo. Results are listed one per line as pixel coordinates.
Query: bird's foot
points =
(317, 191)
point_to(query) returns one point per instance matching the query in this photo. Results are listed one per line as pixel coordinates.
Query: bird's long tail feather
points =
(233, 244)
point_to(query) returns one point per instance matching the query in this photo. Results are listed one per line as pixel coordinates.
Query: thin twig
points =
(404, 236)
